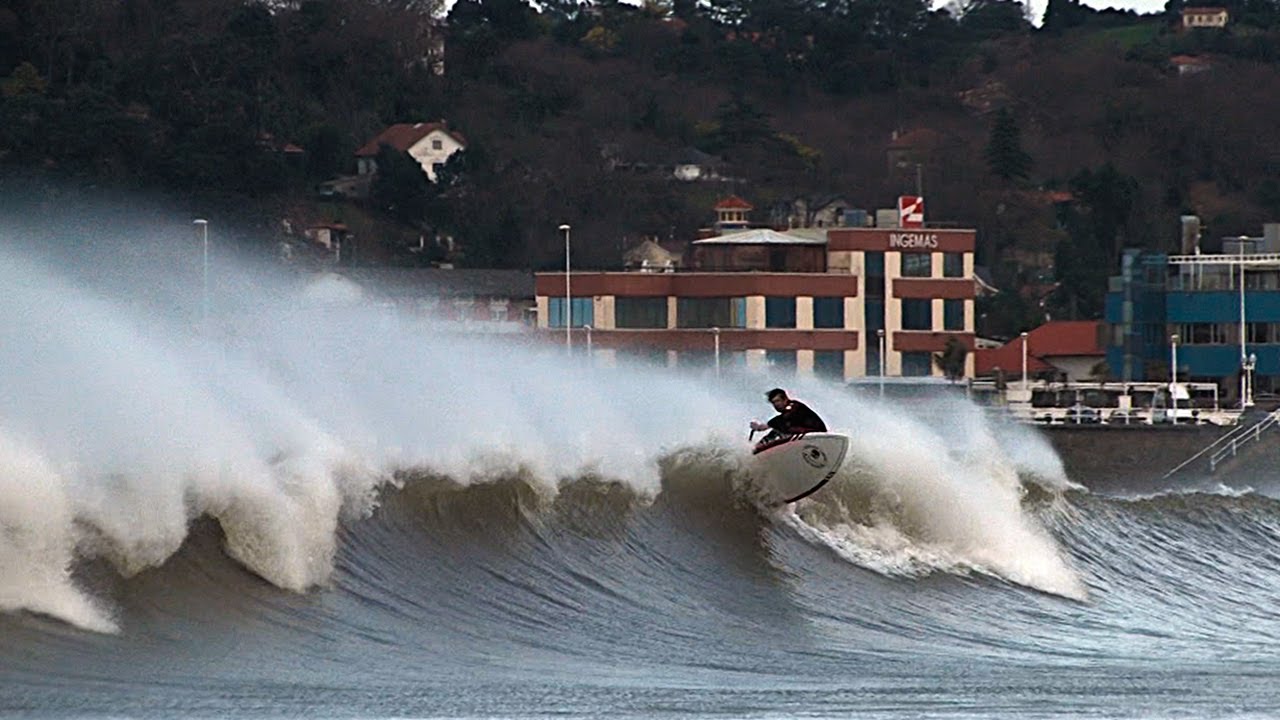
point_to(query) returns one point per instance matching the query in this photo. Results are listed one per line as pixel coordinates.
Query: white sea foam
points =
(938, 493)
(37, 542)
(286, 412)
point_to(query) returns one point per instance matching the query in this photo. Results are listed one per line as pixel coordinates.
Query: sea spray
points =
(910, 500)
(37, 542)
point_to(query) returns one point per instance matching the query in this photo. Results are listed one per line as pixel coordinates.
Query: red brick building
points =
(809, 301)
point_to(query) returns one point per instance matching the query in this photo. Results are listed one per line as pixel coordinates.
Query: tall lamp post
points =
(568, 297)
(204, 271)
(1249, 364)
(1173, 375)
(1024, 361)
(715, 339)
(880, 335)
(1244, 354)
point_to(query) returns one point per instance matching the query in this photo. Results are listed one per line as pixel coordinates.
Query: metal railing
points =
(1227, 259)
(1230, 440)
(1250, 434)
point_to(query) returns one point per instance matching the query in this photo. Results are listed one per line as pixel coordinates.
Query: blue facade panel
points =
(1204, 361)
(1221, 307)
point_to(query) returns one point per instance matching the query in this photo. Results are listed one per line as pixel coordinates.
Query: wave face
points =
(307, 507)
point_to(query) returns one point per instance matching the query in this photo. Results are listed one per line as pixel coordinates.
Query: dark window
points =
(917, 314)
(829, 364)
(953, 315)
(875, 264)
(784, 360)
(874, 316)
(917, 264)
(875, 275)
(917, 364)
(582, 312)
(828, 312)
(953, 265)
(710, 312)
(640, 312)
(779, 312)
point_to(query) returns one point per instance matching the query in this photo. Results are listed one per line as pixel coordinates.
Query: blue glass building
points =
(1223, 308)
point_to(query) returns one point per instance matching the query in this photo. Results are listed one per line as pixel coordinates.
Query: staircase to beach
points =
(1245, 441)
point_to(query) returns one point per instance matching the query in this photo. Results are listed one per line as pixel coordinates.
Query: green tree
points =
(951, 360)
(987, 19)
(1004, 154)
(400, 187)
(1060, 15)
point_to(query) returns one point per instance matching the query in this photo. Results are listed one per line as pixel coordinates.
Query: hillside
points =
(1061, 144)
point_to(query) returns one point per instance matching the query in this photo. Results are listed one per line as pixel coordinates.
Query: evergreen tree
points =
(1004, 154)
(400, 187)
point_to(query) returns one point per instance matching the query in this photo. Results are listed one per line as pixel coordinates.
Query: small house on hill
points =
(430, 144)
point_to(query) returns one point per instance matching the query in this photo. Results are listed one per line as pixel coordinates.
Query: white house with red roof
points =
(1204, 17)
(431, 144)
(1065, 349)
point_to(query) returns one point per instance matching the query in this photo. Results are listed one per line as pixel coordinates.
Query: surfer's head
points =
(778, 397)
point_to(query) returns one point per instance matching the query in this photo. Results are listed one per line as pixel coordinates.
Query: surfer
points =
(793, 418)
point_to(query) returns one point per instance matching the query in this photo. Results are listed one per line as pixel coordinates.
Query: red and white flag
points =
(910, 211)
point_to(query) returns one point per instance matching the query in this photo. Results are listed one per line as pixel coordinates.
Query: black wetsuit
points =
(796, 417)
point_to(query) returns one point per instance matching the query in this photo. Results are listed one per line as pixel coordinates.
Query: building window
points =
(917, 264)
(640, 312)
(711, 312)
(828, 313)
(917, 314)
(874, 281)
(829, 364)
(953, 315)
(953, 265)
(583, 309)
(779, 312)
(437, 145)
(874, 316)
(1207, 333)
(784, 360)
(917, 364)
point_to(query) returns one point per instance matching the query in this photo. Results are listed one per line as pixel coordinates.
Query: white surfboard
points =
(793, 467)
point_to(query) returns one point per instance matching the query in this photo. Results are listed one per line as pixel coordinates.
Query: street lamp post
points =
(204, 271)
(1249, 364)
(715, 337)
(1244, 354)
(880, 336)
(1173, 375)
(1024, 361)
(588, 329)
(568, 297)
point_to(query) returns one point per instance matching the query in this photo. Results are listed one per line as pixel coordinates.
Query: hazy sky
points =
(1141, 6)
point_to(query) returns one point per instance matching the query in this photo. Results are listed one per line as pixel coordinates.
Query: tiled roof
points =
(733, 202)
(916, 138)
(1064, 338)
(402, 136)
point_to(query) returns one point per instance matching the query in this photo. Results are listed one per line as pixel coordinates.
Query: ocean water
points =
(309, 507)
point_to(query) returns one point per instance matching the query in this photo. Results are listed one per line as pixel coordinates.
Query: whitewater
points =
(306, 504)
